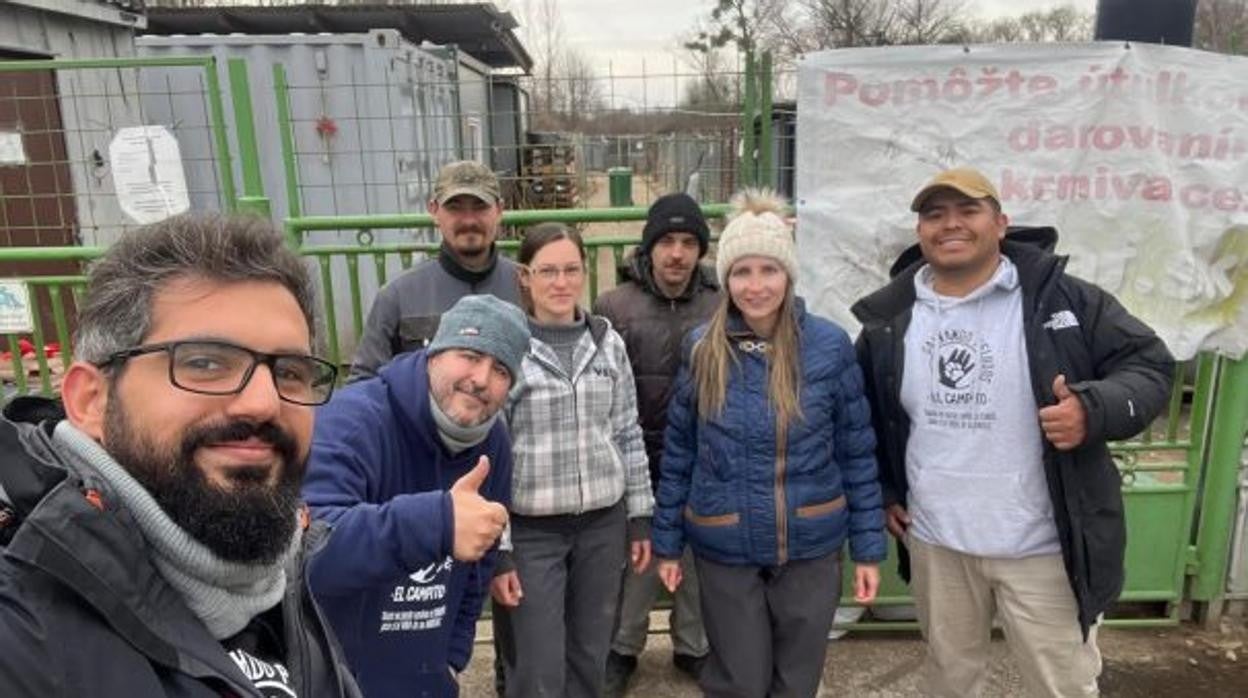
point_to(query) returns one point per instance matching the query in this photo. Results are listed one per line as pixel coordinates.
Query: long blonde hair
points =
(713, 351)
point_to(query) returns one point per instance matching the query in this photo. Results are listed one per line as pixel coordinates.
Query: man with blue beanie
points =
(413, 470)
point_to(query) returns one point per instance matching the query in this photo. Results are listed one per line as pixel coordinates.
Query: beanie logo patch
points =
(469, 332)
(677, 220)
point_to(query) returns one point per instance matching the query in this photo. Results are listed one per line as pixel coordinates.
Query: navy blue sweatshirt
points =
(403, 608)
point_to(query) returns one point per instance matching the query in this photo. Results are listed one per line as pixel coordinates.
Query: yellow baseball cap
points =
(966, 180)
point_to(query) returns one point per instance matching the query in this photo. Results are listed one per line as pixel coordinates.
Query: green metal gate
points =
(59, 186)
(1178, 477)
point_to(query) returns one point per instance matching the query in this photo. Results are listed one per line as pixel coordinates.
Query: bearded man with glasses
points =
(154, 537)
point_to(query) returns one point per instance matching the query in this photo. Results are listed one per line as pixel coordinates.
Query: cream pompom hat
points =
(756, 228)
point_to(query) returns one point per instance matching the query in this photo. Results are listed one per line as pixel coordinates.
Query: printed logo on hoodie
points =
(420, 604)
(962, 371)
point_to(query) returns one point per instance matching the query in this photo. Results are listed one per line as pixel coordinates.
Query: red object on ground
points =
(51, 350)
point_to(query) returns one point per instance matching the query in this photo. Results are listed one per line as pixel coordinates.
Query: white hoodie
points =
(974, 460)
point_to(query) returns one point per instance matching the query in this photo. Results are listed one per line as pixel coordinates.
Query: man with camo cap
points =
(467, 208)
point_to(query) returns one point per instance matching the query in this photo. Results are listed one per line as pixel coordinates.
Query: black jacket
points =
(1116, 365)
(653, 326)
(83, 610)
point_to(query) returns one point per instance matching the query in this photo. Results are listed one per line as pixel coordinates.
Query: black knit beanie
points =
(677, 213)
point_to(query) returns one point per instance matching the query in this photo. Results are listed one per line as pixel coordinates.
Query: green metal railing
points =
(1179, 477)
(1189, 456)
(44, 291)
(367, 254)
(253, 199)
(1228, 429)
(1162, 468)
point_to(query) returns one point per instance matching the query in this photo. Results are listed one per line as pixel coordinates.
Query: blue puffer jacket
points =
(735, 497)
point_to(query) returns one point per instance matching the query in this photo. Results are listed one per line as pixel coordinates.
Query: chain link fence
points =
(89, 149)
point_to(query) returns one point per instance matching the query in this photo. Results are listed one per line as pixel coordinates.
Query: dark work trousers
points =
(637, 598)
(767, 626)
(556, 641)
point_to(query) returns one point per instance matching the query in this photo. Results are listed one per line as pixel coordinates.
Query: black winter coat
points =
(653, 326)
(1116, 365)
(83, 610)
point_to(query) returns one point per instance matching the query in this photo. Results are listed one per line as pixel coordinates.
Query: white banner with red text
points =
(1136, 153)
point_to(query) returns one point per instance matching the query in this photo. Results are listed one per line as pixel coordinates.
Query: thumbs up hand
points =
(1065, 424)
(478, 521)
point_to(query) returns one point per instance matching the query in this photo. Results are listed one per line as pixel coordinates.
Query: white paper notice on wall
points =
(15, 317)
(11, 150)
(147, 173)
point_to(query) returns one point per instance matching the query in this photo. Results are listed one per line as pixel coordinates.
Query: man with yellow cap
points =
(996, 380)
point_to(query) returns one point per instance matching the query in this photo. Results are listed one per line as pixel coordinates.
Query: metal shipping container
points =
(374, 116)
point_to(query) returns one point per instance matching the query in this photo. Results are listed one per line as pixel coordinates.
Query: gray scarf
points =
(225, 595)
(455, 437)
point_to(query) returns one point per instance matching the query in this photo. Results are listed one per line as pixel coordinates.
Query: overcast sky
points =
(620, 34)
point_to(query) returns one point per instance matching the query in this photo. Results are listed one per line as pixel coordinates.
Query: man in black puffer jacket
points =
(153, 537)
(666, 293)
(992, 440)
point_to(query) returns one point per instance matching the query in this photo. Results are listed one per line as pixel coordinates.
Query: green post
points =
(593, 274)
(294, 235)
(331, 315)
(41, 357)
(459, 102)
(61, 323)
(224, 163)
(19, 366)
(285, 129)
(253, 199)
(748, 174)
(1217, 514)
(765, 176)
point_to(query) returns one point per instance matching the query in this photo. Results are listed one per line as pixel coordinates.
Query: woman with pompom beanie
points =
(768, 468)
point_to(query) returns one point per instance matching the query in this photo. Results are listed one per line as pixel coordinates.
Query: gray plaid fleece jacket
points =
(576, 442)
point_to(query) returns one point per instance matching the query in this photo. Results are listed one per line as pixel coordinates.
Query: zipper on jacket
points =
(782, 517)
(334, 668)
(576, 419)
(296, 594)
(556, 368)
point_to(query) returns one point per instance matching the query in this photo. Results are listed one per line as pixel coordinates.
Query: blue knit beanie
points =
(486, 324)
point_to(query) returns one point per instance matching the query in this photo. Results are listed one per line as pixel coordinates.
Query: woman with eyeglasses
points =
(581, 499)
(768, 468)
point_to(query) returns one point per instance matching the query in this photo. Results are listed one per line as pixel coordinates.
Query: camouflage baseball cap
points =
(466, 177)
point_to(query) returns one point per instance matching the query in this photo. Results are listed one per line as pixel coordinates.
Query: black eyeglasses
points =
(211, 367)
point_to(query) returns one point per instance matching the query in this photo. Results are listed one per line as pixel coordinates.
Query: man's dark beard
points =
(251, 523)
(474, 250)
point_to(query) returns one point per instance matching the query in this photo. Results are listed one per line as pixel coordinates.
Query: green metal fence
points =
(1162, 468)
(1178, 478)
(74, 183)
(1189, 457)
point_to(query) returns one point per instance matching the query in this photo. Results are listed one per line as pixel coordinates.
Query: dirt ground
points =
(1154, 663)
